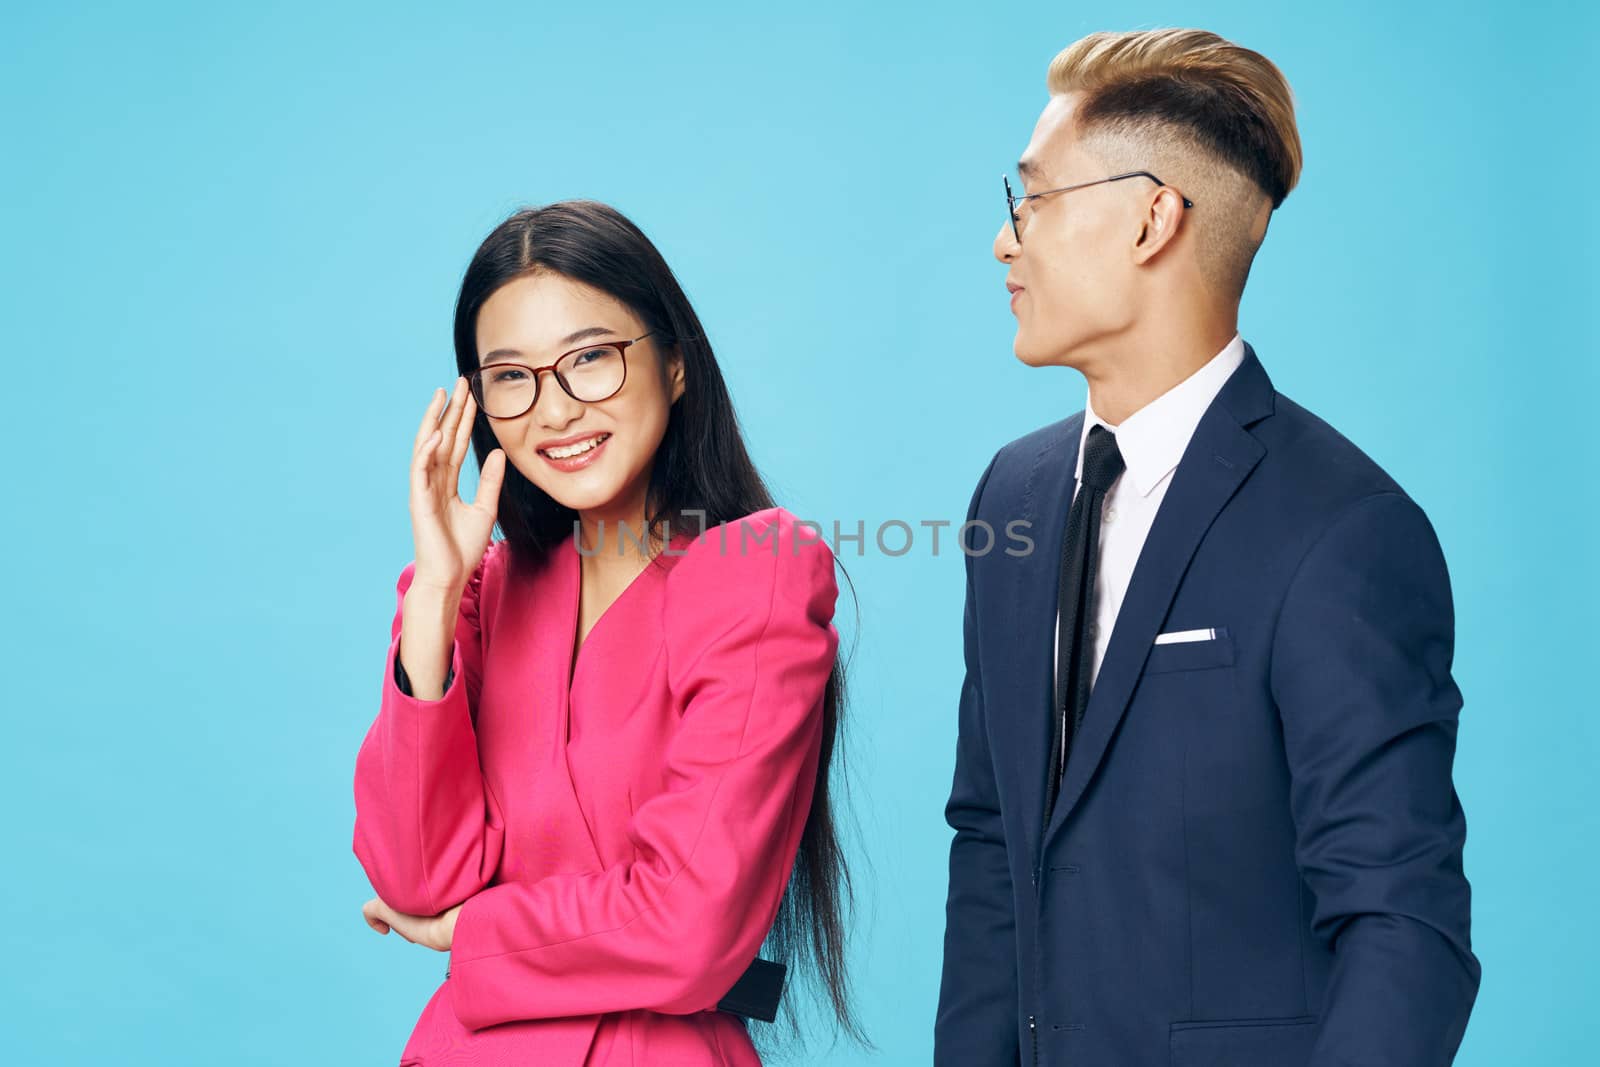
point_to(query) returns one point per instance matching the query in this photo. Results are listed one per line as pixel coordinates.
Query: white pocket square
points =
(1174, 636)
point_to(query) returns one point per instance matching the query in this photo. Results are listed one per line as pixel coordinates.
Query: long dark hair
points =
(702, 468)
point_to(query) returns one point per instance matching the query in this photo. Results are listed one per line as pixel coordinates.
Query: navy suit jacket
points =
(1255, 857)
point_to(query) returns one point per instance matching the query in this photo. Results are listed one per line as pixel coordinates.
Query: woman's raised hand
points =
(451, 535)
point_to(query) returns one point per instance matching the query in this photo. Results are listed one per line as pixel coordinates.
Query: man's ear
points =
(1159, 225)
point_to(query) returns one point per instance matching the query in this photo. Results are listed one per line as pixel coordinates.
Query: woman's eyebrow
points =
(588, 331)
(571, 339)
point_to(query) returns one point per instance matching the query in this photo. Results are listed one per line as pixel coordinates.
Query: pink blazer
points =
(621, 836)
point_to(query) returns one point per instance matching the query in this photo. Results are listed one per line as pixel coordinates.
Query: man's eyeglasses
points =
(1012, 201)
(588, 375)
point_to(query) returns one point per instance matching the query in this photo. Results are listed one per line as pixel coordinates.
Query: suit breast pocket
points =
(1229, 1042)
(1191, 651)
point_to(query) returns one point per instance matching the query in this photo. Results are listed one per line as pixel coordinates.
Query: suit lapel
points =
(1219, 457)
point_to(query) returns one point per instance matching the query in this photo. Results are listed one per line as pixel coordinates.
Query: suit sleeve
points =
(750, 648)
(1361, 674)
(427, 830)
(977, 1015)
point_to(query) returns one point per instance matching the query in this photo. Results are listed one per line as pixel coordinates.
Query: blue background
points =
(232, 240)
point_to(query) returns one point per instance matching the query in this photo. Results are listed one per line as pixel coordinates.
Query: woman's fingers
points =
(490, 479)
(423, 448)
(463, 437)
(452, 413)
(429, 931)
(430, 420)
(436, 450)
(372, 912)
(436, 429)
(380, 914)
(421, 462)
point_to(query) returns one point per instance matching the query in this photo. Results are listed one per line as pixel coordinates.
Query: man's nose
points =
(1006, 247)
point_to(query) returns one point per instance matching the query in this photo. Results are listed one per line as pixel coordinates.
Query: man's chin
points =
(1031, 352)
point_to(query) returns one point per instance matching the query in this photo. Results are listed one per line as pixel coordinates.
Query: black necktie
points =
(1102, 462)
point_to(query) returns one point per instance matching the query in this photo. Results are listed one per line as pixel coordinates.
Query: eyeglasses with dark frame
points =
(509, 395)
(1012, 201)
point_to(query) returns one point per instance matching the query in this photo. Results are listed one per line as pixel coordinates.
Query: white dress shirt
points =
(1152, 441)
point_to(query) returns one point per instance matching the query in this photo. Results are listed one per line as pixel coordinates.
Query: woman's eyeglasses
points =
(1012, 201)
(588, 375)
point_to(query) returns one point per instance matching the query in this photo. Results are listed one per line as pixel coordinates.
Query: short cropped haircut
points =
(1191, 93)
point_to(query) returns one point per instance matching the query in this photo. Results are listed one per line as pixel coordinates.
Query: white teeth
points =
(568, 451)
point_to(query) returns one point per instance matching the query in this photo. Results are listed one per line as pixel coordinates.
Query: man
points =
(1202, 802)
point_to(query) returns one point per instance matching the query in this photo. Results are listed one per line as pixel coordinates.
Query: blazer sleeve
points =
(427, 831)
(977, 1014)
(1360, 671)
(749, 650)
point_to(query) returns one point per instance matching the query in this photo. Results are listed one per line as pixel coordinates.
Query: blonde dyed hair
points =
(1213, 118)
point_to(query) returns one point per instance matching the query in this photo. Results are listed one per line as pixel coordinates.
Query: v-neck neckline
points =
(653, 570)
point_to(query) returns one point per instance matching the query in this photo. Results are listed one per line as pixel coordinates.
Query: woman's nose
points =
(555, 407)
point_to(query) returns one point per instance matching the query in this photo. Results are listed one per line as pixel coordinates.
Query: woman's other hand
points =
(430, 931)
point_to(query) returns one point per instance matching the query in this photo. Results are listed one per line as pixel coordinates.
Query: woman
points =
(598, 777)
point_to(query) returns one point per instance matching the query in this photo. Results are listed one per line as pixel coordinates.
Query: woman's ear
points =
(676, 371)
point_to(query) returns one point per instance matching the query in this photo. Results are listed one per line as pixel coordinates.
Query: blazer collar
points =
(1153, 438)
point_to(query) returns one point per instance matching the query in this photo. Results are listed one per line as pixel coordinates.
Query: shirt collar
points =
(1152, 440)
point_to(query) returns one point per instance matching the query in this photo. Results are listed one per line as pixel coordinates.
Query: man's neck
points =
(1137, 367)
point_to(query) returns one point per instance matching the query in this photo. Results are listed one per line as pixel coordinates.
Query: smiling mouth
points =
(578, 449)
